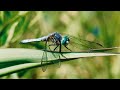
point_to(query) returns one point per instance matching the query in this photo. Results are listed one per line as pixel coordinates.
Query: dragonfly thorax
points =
(56, 38)
(65, 40)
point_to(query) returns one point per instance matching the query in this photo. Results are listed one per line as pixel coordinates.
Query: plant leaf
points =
(16, 59)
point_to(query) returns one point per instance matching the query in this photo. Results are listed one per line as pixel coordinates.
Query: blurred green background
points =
(101, 26)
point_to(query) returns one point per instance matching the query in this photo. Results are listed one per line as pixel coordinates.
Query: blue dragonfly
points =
(68, 42)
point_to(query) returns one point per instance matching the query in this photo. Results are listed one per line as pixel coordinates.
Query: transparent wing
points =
(78, 44)
(44, 61)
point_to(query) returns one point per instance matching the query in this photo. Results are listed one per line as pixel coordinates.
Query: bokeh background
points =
(100, 26)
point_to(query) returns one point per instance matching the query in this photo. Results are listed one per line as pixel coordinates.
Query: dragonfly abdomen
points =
(29, 40)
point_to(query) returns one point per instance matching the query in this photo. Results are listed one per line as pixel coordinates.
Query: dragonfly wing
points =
(44, 61)
(78, 44)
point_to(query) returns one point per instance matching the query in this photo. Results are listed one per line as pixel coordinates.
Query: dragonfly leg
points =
(67, 48)
(51, 51)
(55, 47)
(59, 55)
(55, 54)
(63, 55)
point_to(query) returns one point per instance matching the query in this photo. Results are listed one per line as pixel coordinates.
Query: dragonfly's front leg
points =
(61, 53)
(59, 50)
(67, 48)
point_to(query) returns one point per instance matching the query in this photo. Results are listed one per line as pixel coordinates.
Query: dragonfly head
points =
(65, 40)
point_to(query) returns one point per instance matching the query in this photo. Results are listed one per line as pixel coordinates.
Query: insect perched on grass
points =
(70, 43)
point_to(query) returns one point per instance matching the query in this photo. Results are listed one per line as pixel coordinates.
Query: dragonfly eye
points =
(67, 42)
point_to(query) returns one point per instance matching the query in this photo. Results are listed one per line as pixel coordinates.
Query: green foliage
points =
(100, 26)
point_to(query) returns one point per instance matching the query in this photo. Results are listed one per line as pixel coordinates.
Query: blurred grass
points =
(101, 26)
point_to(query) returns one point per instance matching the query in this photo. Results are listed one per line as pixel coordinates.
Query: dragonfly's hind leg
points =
(51, 50)
(55, 54)
(58, 55)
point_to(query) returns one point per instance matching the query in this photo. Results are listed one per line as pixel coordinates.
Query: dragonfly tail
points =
(30, 40)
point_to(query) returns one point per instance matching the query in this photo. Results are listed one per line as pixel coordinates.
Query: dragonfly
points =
(70, 43)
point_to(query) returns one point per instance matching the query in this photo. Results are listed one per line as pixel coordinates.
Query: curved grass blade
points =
(32, 58)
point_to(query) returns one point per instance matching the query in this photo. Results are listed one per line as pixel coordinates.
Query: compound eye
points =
(67, 42)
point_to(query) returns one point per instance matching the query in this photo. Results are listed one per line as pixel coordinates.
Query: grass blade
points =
(32, 58)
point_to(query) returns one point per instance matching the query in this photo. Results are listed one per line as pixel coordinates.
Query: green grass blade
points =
(28, 58)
